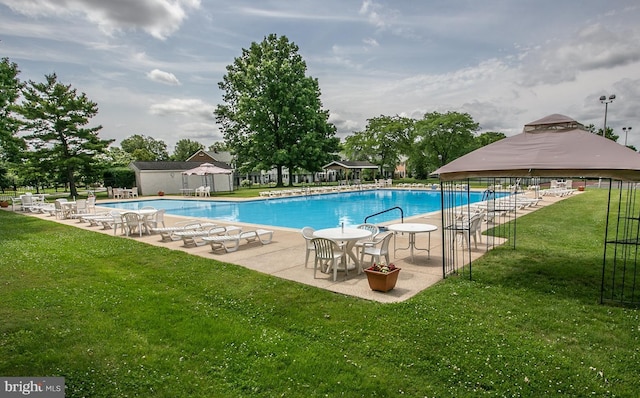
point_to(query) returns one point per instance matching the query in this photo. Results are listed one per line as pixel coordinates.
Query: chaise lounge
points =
(231, 243)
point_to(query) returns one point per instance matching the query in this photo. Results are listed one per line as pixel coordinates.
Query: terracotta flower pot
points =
(160, 193)
(4, 203)
(381, 281)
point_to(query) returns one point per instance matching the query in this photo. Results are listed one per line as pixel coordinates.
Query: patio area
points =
(284, 257)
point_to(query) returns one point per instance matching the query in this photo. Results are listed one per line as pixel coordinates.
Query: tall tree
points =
(54, 116)
(144, 148)
(441, 138)
(219, 146)
(11, 146)
(610, 134)
(488, 137)
(272, 115)
(385, 139)
(186, 148)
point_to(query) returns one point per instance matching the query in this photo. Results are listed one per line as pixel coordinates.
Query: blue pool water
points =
(317, 211)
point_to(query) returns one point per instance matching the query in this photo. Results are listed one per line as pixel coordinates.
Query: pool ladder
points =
(384, 211)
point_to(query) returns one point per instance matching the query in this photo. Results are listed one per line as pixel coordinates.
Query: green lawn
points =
(118, 318)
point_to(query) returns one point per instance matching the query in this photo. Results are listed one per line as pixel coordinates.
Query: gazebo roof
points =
(350, 165)
(554, 146)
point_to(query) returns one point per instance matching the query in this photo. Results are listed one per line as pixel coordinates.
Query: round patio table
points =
(347, 235)
(412, 229)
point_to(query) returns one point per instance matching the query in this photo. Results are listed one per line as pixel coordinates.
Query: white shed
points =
(152, 177)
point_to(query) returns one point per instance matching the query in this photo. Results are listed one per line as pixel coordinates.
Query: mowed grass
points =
(118, 318)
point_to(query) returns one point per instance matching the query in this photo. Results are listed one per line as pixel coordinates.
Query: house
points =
(165, 176)
(203, 156)
(351, 169)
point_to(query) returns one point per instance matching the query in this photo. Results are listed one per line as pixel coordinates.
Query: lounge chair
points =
(194, 238)
(114, 221)
(168, 234)
(231, 242)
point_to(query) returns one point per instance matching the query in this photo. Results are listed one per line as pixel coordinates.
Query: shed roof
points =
(172, 166)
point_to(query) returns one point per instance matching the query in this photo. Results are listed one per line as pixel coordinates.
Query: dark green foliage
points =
(143, 148)
(272, 116)
(185, 148)
(384, 140)
(54, 118)
(119, 177)
(119, 318)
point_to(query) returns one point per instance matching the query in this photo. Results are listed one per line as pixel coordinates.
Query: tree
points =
(218, 146)
(146, 149)
(11, 146)
(272, 115)
(53, 118)
(610, 135)
(185, 148)
(487, 138)
(383, 141)
(441, 138)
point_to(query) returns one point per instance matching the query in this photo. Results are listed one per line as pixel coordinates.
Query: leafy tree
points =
(610, 135)
(382, 143)
(218, 146)
(488, 137)
(272, 114)
(11, 146)
(186, 148)
(115, 157)
(441, 138)
(144, 148)
(53, 117)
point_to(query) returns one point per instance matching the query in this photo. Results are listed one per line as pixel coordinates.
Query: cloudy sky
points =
(153, 65)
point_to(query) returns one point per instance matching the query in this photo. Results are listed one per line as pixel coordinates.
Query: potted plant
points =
(160, 193)
(4, 203)
(382, 277)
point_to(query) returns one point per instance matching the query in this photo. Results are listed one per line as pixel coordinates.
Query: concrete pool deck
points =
(284, 256)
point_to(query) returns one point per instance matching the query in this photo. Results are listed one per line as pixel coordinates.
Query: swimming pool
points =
(317, 211)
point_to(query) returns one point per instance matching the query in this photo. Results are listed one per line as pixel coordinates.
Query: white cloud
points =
(159, 18)
(184, 107)
(163, 77)
(594, 47)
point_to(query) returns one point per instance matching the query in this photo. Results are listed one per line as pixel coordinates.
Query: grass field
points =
(118, 318)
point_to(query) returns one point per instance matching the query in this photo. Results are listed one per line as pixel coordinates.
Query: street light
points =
(626, 131)
(606, 101)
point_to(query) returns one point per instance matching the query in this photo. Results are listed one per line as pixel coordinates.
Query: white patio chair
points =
(377, 251)
(133, 222)
(307, 234)
(371, 240)
(328, 257)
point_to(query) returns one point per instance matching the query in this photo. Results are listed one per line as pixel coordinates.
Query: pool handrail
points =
(384, 211)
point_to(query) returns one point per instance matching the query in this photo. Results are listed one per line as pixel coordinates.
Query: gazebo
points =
(558, 146)
(353, 166)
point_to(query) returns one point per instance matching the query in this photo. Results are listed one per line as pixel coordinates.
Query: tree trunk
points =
(72, 183)
(279, 179)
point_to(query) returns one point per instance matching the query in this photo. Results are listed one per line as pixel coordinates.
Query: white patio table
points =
(347, 235)
(412, 229)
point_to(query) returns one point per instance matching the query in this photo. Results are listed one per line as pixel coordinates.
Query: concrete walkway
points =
(284, 256)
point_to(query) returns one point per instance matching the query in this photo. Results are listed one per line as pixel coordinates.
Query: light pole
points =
(626, 131)
(606, 101)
